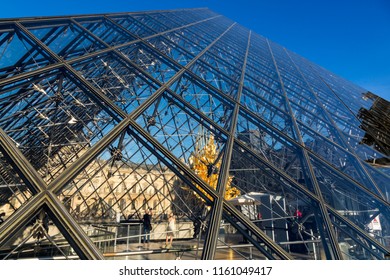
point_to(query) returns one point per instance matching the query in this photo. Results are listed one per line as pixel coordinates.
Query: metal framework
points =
(101, 115)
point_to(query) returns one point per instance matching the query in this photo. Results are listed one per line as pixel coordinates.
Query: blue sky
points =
(349, 38)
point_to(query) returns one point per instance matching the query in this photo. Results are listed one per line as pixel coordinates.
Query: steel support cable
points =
(28, 52)
(14, 223)
(24, 241)
(7, 44)
(26, 212)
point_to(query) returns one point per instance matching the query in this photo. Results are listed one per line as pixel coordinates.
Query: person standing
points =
(196, 223)
(170, 230)
(298, 214)
(147, 225)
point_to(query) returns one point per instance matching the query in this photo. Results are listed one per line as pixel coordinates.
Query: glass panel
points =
(123, 84)
(311, 121)
(355, 246)
(232, 245)
(177, 52)
(13, 191)
(196, 43)
(214, 62)
(167, 19)
(347, 198)
(184, 42)
(259, 53)
(274, 147)
(269, 112)
(40, 239)
(64, 38)
(232, 46)
(133, 26)
(207, 101)
(143, 56)
(381, 179)
(336, 156)
(186, 136)
(150, 22)
(52, 121)
(263, 89)
(215, 79)
(280, 209)
(18, 54)
(210, 31)
(107, 31)
(110, 197)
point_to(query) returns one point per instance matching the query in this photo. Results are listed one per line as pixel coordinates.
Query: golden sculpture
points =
(206, 163)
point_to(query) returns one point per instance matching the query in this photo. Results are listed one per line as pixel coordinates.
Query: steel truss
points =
(101, 114)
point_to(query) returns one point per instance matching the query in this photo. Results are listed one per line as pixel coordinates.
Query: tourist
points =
(147, 225)
(171, 228)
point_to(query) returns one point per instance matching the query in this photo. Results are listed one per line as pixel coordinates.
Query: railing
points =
(110, 238)
(127, 239)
